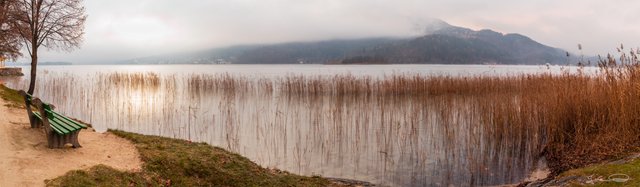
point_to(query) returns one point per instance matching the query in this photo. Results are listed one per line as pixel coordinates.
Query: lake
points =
(304, 118)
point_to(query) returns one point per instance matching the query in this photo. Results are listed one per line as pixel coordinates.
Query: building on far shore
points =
(5, 71)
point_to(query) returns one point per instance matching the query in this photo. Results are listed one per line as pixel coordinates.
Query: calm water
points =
(395, 141)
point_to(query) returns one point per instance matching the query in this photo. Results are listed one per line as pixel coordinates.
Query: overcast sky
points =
(124, 29)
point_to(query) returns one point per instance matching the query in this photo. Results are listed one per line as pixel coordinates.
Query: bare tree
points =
(53, 24)
(9, 43)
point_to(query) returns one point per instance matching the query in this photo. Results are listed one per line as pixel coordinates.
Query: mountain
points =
(442, 43)
(457, 45)
(447, 44)
(485, 45)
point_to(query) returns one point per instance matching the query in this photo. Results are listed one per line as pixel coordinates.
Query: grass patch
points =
(172, 162)
(102, 175)
(15, 100)
(603, 171)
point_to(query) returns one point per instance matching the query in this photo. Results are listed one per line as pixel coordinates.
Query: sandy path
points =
(26, 161)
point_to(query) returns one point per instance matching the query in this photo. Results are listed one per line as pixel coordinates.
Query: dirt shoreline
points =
(26, 160)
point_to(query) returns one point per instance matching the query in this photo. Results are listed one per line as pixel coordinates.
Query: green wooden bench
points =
(58, 128)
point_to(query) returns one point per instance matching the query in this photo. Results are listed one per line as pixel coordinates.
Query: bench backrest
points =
(41, 107)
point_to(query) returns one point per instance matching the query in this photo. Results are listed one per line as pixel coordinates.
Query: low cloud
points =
(123, 29)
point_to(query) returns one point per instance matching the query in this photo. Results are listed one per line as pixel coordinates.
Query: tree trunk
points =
(34, 64)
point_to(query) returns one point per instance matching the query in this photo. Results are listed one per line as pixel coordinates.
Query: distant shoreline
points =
(358, 64)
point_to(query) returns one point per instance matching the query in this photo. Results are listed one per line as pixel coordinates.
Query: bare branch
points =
(54, 24)
(9, 39)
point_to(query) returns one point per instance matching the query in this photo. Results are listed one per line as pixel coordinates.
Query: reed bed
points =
(571, 119)
(405, 84)
(147, 80)
(223, 82)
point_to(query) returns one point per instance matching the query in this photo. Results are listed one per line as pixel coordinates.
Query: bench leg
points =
(56, 141)
(74, 139)
(51, 140)
(59, 141)
(27, 102)
(36, 123)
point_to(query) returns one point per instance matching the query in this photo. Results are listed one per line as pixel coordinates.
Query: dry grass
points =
(15, 100)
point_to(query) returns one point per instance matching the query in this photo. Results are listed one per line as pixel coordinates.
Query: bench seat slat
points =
(62, 127)
(55, 128)
(72, 121)
(61, 124)
(69, 126)
(68, 120)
